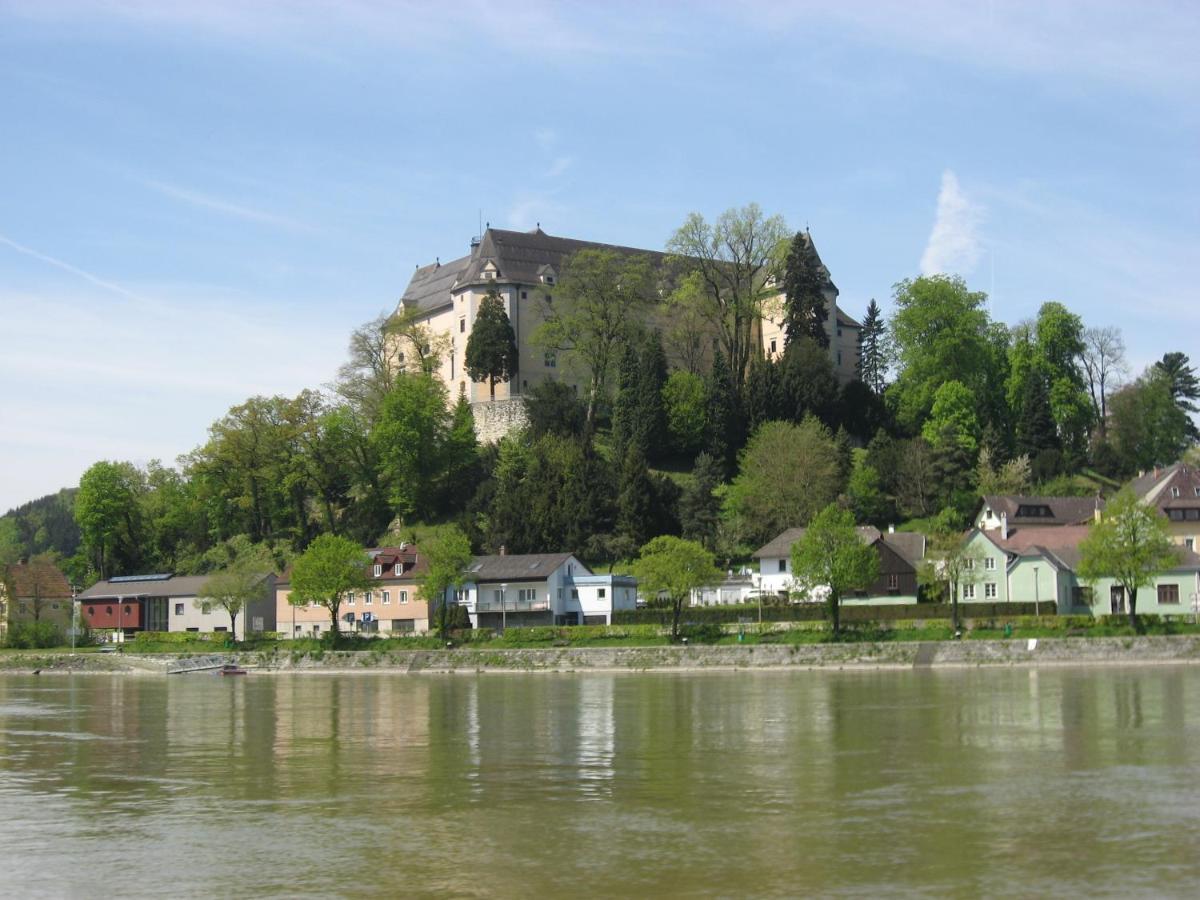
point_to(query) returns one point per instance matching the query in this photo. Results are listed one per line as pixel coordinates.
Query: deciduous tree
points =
(326, 572)
(675, 567)
(447, 558)
(832, 556)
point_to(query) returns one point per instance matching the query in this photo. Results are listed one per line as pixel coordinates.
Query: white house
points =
(542, 589)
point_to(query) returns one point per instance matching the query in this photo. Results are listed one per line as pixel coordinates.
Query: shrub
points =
(34, 636)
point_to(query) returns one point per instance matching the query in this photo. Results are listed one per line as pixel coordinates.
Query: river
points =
(998, 782)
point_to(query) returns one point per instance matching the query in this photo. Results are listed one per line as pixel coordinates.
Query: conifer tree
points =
(762, 392)
(624, 416)
(1035, 425)
(635, 500)
(804, 279)
(873, 349)
(492, 347)
(651, 411)
(724, 418)
(699, 506)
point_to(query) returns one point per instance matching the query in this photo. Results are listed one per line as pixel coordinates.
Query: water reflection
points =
(999, 781)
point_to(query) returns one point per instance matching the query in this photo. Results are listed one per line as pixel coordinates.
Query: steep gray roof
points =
(170, 586)
(430, 285)
(780, 545)
(522, 256)
(520, 567)
(909, 545)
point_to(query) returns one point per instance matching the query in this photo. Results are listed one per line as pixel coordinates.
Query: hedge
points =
(816, 612)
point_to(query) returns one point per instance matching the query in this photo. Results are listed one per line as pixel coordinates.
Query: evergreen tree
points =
(492, 347)
(1185, 387)
(873, 356)
(808, 385)
(651, 411)
(844, 449)
(952, 465)
(804, 280)
(1035, 424)
(635, 500)
(624, 416)
(724, 419)
(699, 506)
(762, 392)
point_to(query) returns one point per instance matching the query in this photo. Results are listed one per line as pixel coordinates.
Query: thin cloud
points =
(953, 245)
(74, 270)
(559, 166)
(206, 201)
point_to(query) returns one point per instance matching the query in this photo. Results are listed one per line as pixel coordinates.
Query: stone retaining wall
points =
(495, 419)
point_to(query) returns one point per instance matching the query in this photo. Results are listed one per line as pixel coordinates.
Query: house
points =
(900, 557)
(1040, 565)
(391, 605)
(737, 587)
(128, 604)
(999, 512)
(1175, 492)
(524, 268)
(34, 591)
(506, 591)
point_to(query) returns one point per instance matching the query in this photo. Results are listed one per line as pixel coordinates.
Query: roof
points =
(1153, 486)
(1062, 545)
(1064, 510)
(519, 567)
(37, 578)
(414, 564)
(139, 586)
(844, 320)
(910, 545)
(430, 286)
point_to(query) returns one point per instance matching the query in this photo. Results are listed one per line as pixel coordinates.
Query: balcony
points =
(511, 604)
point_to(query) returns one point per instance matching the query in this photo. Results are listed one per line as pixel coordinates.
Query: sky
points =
(200, 200)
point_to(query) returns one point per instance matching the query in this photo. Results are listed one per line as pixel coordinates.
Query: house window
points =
(1196, 491)
(969, 563)
(498, 596)
(179, 609)
(193, 629)
(550, 359)
(367, 598)
(839, 357)
(527, 595)
(1190, 543)
(772, 346)
(524, 295)
(989, 590)
(220, 628)
(989, 563)
(1082, 596)
(839, 332)
(968, 592)
(462, 326)
(205, 608)
(574, 593)
(893, 582)
(316, 629)
(296, 629)
(400, 358)
(378, 571)
(398, 569)
(783, 565)
(350, 599)
(1168, 593)
(108, 609)
(549, 299)
(403, 596)
(1174, 492)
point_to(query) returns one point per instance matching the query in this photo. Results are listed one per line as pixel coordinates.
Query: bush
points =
(815, 612)
(703, 633)
(34, 636)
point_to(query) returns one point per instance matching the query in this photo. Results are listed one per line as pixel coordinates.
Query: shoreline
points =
(917, 655)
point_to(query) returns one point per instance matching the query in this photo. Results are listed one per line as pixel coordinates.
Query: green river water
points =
(994, 782)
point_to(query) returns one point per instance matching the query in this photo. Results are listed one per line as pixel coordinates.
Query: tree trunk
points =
(334, 607)
(492, 387)
(835, 610)
(954, 606)
(233, 624)
(1133, 619)
(676, 609)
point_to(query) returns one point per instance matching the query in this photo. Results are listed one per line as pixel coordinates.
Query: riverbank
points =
(1142, 650)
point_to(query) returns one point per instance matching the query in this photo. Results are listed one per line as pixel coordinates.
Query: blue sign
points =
(367, 617)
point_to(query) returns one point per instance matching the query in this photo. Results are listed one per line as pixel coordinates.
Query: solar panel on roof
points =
(534, 565)
(125, 579)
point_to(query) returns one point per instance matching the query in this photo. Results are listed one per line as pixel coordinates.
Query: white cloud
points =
(206, 201)
(954, 242)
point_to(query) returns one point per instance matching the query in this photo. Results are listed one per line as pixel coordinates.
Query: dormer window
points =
(399, 569)
(1174, 492)
(378, 570)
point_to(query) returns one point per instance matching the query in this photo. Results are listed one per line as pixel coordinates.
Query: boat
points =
(232, 669)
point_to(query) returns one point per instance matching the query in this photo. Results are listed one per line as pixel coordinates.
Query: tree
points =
(865, 492)
(808, 385)
(235, 588)
(625, 406)
(953, 414)
(447, 558)
(874, 351)
(734, 259)
(492, 347)
(1035, 424)
(686, 405)
(553, 408)
(804, 280)
(787, 474)
(1184, 386)
(635, 499)
(109, 516)
(952, 562)
(1103, 361)
(941, 333)
(724, 420)
(602, 296)
(675, 567)
(1130, 544)
(375, 361)
(699, 506)
(651, 429)
(1012, 477)
(327, 571)
(916, 486)
(412, 340)
(763, 393)
(832, 555)
(1147, 427)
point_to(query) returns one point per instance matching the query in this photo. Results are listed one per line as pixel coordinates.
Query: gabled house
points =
(505, 591)
(1175, 492)
(34, 591)
(1009, 512)
(1040, 565)
(900, 557)
(391, 605)
(127, 604)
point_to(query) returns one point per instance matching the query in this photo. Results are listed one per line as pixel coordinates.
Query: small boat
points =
(232, 669)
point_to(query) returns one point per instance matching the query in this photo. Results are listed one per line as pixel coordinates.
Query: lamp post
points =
(1037, 611)
(503, 605)
(74, 590)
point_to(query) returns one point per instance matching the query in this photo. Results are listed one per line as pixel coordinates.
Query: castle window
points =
(549, 299)
(772, 346)
(462, 326)
(524, 295)
(550, 359)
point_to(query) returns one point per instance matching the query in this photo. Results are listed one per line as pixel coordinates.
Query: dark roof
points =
(1063, 510)
(1062, 545)
(521, 567)
(1154, 486)
(173, 586)
(908, 545)
(844, 320)
(521, 256)
(430, 286)
(37, 578)
(415, 564)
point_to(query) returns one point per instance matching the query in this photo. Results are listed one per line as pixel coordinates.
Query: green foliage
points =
(674, 567)
(110, 518)
(447, 558)
(553, 408)
(33, 636)
(685, 399)
(236, 587)
(699, 506)
(831, 556)
(1130, 544)
(1147, 428)
(808, 385)
(875, 352)
(491, 353)
(330, 568)
(869, 503)
(723, 422)
(40, 526)
(787, 474)
(953, 417)
(804, 281)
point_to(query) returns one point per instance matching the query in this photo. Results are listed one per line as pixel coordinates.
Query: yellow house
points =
(1175, 492)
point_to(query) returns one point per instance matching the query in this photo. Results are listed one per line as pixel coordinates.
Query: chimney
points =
(1096, 510)
(503, 550)
(403, 546)
(1004, 526)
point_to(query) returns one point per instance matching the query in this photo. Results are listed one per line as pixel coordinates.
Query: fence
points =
(815, 612)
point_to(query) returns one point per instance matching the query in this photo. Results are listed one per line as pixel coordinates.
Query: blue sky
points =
(198, 201)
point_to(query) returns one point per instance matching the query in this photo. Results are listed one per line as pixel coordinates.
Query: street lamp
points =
(503, 616)
(1036, 593)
